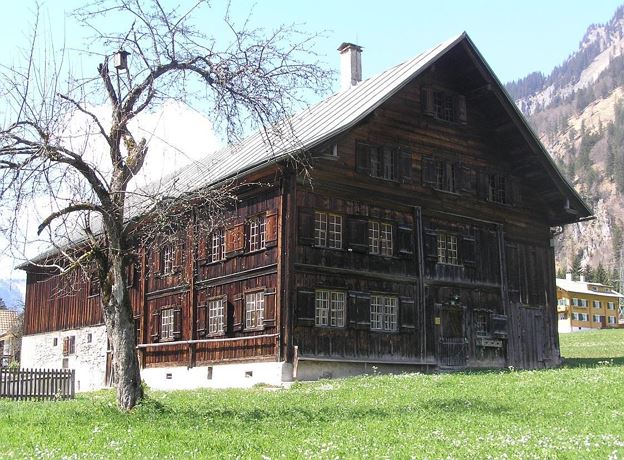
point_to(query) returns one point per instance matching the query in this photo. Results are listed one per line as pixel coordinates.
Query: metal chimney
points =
(350, 65)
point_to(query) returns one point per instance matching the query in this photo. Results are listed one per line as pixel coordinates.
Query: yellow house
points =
(583, 305)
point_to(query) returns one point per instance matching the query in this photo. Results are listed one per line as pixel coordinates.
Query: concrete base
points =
(239, 375)
(314, 370)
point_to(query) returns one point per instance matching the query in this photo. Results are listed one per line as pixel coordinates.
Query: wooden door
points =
(452, 342)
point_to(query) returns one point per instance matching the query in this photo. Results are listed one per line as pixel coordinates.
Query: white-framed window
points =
(216, 310)
(254, 310)
(329, 308)
(597, 304)
(166, 324)
(257, 234)
(611, 320)
(327, 230)
(579, 302)
(217, 245)
(447, 249)
(610, 305)
(597, 318)
(380, 238)
(563, 316)
(384, 312)
(581, 316)
(168, 257)
(563, 302)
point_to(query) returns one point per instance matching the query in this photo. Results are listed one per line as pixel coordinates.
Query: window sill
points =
(215, 335)
(253, 329)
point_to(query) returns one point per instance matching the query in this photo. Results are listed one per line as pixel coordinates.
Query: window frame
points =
(167, 313)
(384, 313)
(219, 328)
(444, 239)
(69, 345)
(497, 188)
(217, 245)
(167, 259)
(254, 318)
(328, 230)
(380, 238)
(256, 233)
(333, 314)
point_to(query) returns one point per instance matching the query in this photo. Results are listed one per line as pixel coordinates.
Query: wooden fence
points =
(37, 383)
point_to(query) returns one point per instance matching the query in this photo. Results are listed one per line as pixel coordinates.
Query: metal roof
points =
(583, 287)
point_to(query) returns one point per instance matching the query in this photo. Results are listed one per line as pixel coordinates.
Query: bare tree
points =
(252, 80)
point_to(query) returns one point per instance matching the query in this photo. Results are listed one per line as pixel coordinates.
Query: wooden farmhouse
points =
(421, 239)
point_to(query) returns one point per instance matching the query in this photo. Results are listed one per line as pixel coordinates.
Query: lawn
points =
(576, 411)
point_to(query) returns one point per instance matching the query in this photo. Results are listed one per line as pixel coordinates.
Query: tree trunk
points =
(121, 332)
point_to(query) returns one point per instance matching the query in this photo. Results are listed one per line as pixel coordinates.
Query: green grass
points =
(576, 411)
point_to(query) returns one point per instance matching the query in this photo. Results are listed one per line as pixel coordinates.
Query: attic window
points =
(443, 105)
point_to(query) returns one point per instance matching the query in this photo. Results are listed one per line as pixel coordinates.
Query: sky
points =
(515, 37)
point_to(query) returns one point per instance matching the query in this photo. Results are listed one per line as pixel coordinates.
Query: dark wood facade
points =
(423, 238)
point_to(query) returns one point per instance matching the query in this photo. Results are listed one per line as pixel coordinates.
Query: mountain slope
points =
(578, 113)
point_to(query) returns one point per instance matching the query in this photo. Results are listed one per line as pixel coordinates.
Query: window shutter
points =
(177, 323)
(513, 282)
(306, 301)
(483, 185)
(202, 320)
(362, 301)
(405, 166)
(156, 255)
(498, 324)
(269, 307)
(204, 247)
(467, 179)
(468, 250)
(155, 326)
(235, 240)
(431, 245)
(305, 229)
(429, 176)
(178, 257)
(352, 309)
(239, 313)
(405, 241)
(407, 314)
(426, 101)
(65, 346)
(460, 108)
(512, 191)
(362, 158)
(270, 231)
(357, 234)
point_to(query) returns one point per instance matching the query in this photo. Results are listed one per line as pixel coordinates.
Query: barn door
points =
(452, 342)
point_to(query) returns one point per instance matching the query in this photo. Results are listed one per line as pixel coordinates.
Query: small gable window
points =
(443, 105)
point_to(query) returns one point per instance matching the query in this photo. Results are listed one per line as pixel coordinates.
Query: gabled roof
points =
(344, 110)
(582, 287)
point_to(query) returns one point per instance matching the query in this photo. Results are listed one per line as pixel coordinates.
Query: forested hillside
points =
(578, 113)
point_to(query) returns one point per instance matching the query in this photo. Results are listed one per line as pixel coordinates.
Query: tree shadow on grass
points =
(593, 362)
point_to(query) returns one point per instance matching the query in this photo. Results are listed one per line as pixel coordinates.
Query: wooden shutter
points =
(178, 256)
(405, 240)
(512, 191)
(155, 326)
(405, 166)
(362, 158)
(239, 313)
(204, 247)
(270, 229)
(467, 179)
(137, 330)
(513, 281)
(460, 109)
(468, 250)
(305, 230)
(431, 245)
(269, 307)
(235, 240)
(65, 346)
(357, 234)
(202, 320)
(305, 308)
(407, 314)
(155, 253)
(177, 323)
(426, 101)
(429, 174)
(498, 324)
(483, 185)
(362, 301)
